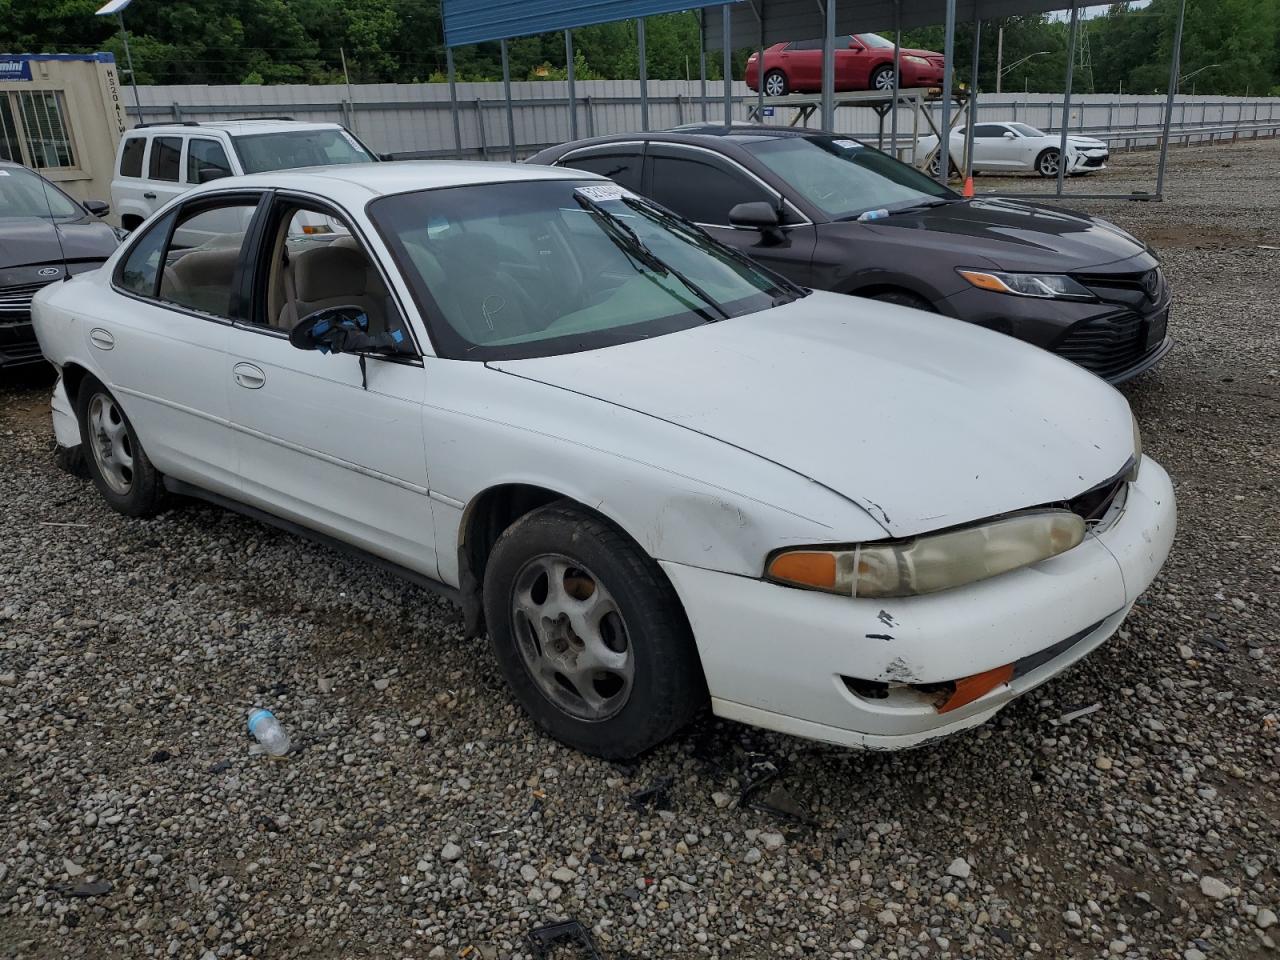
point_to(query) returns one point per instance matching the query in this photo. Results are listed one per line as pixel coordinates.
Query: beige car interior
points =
(201, 279)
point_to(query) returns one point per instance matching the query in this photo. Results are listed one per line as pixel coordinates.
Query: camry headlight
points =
(930, 563)
(911, 59)
(1047, 285)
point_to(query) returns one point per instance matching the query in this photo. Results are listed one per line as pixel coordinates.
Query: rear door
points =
(992, 150)
(804, 65)
(621, 162)
(703, 186)
(164, 171)
(128, 183)
(853, 64)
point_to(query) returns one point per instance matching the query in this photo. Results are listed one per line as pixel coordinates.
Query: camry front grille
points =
(15, 301)
(1106, 346)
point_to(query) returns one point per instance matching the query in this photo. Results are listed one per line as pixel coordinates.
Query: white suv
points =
(157, 161)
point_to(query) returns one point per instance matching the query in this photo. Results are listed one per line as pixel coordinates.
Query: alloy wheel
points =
(572, 637)
(774, 85)
(1049, 165)
(884, 80)
(110, 443)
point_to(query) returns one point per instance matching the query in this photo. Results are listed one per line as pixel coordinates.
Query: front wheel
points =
(116, 462)
(1047, 163)
(882, 78)
(935, 165)
(775, 83)
(589, 634)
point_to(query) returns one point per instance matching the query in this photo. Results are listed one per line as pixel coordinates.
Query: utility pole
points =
(999, 55)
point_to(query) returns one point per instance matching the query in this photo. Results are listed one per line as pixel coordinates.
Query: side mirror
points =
(342, 329)
(1008, 135)
(99, 208)
(386, 157)
(757, 215)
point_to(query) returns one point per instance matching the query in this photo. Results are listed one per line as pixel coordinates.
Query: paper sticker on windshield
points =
(604, 191)
(847, 144)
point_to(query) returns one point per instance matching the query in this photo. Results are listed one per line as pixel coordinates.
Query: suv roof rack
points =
(242, 119)
(167, 123)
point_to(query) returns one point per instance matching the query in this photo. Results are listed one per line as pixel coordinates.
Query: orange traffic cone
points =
(967, 193)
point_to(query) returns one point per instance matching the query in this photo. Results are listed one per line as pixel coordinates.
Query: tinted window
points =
(531, 269)
(875, 40)
(1028, 131)
(206, 160)
(842, 177)
(989, 130)
(131, 156)
(703, 191)
(624, 168)
(141, 265)
(25, 194)
(299, 148)
(200, 265)
(165, 153)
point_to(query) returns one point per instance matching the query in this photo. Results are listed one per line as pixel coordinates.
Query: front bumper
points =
(777, 657)
(18, 344)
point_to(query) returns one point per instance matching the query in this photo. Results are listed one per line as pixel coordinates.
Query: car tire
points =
(905, 298)
(775, 84)
(1047, 163)
(635, 679)
(936, 160)
(114, 458)
(882, 78)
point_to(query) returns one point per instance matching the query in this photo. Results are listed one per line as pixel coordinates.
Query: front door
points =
(325, 440)
(703, 187)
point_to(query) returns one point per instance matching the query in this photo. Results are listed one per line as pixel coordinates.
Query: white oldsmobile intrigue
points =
(657, 473)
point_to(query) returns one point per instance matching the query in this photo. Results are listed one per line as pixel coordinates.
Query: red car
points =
(864, 61)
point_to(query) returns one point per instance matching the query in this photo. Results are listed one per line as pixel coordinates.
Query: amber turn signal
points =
(805, 569)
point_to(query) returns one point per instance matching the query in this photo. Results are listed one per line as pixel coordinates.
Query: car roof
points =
(402, 176)
(698, 133)
(247, 125)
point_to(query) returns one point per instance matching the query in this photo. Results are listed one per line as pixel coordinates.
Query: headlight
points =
(1046, 285)
(920, 60)
(931, 563)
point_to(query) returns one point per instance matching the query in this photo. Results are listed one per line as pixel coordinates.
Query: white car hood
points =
(924, 421)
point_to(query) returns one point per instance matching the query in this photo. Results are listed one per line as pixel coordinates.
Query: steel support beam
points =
(644, 75)
(973, 100)
(726, 19)
(1066, 95)
(506, 91)
(573, 96)
(897, 75)
(453, 101)
(829, 68)
(1175, 66)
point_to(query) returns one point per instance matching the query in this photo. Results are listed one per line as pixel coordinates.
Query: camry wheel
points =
(882, 79)
(1047, 163)
(589, 634)
(775, 83)
(116, 461)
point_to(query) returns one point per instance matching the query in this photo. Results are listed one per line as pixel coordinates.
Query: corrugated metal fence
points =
(413, 120)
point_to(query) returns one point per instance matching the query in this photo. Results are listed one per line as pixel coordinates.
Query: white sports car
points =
(661, 476)
(1017, 148)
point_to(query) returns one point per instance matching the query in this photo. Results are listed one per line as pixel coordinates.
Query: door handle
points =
(101, 339)
(148, 196)
(249, 376)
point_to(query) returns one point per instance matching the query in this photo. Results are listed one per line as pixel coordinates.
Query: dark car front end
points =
(45, 237)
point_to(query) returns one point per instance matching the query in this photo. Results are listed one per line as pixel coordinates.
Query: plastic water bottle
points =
(267, 731)
(873, 215)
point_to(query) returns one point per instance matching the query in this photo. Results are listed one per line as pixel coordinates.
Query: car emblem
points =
(1151, 283)
(48, 272)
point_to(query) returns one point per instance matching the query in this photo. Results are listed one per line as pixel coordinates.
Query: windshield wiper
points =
(925, 204)
(675, 222)
(621, 233)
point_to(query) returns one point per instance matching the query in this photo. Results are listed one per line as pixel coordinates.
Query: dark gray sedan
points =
(833, 213)
(45, 236)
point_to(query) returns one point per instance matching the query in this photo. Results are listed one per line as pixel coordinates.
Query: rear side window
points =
(700, 191)
(131, 156)
(200, 266)
(141, 267)
(622, 167)
(206, 160)
(165, 154)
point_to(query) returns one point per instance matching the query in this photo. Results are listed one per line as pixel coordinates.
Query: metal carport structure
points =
(767, 22)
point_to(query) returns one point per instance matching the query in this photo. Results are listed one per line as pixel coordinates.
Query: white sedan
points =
(659, 475)
(1017, 148)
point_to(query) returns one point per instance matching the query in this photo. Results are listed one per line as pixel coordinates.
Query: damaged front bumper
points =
(874, 673)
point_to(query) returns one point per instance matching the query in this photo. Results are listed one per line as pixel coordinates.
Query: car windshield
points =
(539, 268)
(1026, 129)
(298, 148)
(844, 178)
(24, 194)
(875, 40)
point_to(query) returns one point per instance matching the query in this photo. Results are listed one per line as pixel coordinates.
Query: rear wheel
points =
(115, 459)
(1047, 163)
(775, 84)
(589, 634)
(882, 78)
(935, 164)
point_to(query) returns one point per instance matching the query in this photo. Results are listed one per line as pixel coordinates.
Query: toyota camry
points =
(659, 476)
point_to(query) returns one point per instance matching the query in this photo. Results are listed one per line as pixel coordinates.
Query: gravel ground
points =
(422, 816)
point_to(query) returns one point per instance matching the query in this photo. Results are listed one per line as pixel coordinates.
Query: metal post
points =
(760, 73)
(829, 68)
(351, 100)
(1066, 96)
(453, 101)
(897, 75)
(128, 58)
(702, 65)
(506, 92)
(973, 98)
(727, 25)
(1175, 65)
(573, 98)
(944, 131)
(999, 55)
(644, 76)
